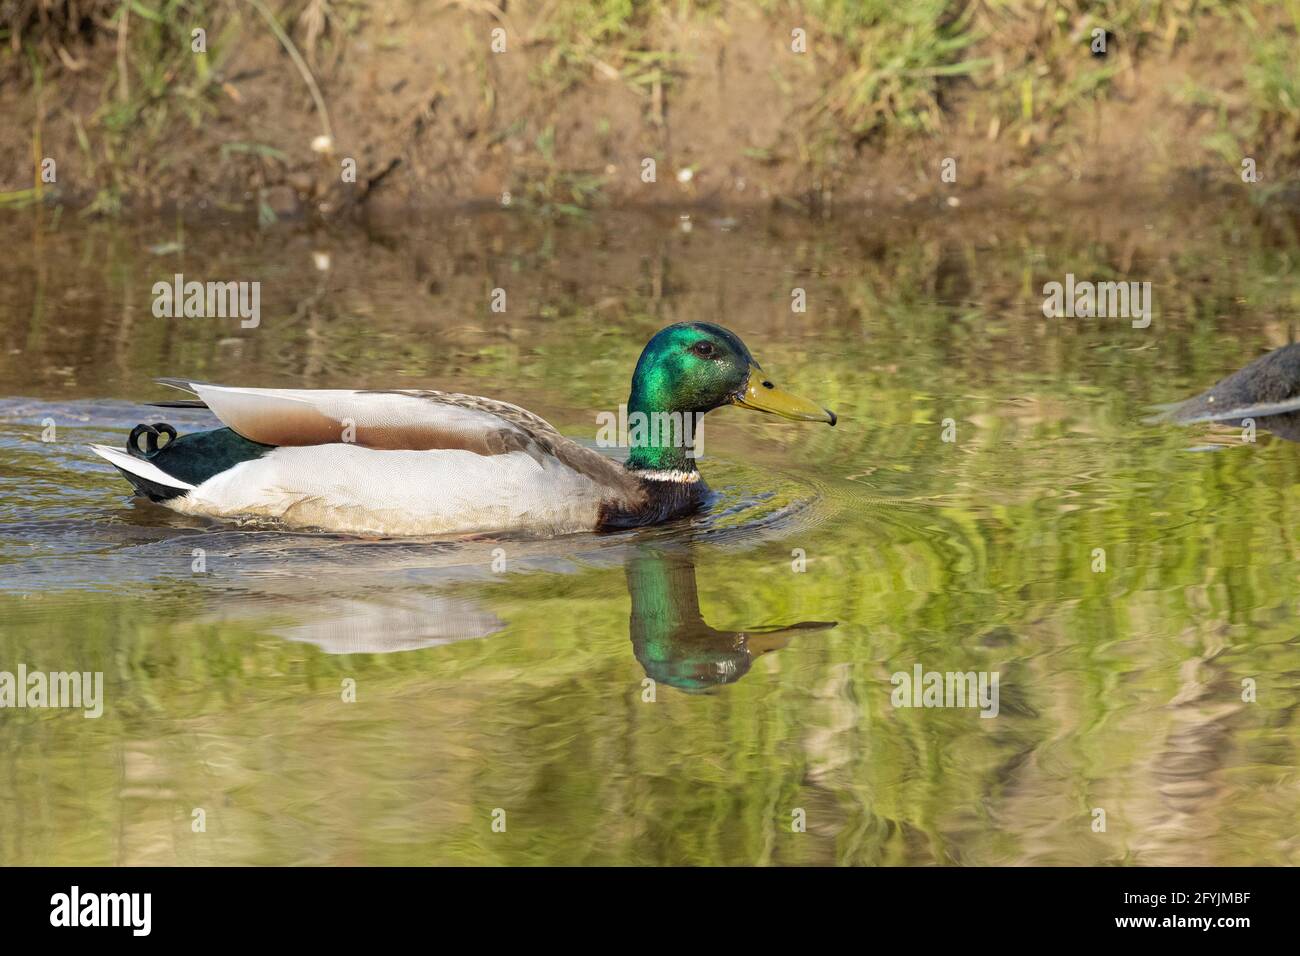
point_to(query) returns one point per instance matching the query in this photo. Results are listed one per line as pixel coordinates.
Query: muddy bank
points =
(541, 107)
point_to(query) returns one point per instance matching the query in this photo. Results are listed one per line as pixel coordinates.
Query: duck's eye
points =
(703, 349)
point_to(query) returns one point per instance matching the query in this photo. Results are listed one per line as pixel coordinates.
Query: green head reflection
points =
(670, 637)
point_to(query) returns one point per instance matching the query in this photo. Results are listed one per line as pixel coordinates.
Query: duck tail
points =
(136, 465)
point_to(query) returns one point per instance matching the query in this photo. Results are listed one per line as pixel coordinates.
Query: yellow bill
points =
(761, 395)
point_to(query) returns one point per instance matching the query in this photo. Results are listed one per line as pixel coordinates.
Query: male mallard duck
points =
(397, 462)
(1266, 391)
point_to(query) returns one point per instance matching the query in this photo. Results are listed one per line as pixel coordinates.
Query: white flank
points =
(356, 490)
(138, 466)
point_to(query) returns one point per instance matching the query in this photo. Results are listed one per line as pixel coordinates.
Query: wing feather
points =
(398, 420)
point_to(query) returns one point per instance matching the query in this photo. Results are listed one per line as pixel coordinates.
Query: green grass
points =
(898, 56)
(157, 82)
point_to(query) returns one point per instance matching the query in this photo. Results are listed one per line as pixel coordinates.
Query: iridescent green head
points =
(694, 367)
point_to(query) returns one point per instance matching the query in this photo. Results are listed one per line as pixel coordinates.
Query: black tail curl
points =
(150, 434)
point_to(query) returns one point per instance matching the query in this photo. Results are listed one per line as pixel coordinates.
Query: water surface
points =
(678, 694)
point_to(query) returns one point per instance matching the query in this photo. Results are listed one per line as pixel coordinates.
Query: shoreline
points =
(700, 109)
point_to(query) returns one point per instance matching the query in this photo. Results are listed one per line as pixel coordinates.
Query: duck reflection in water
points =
(670, 637)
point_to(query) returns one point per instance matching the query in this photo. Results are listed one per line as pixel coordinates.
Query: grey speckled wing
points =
(1267, 390)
